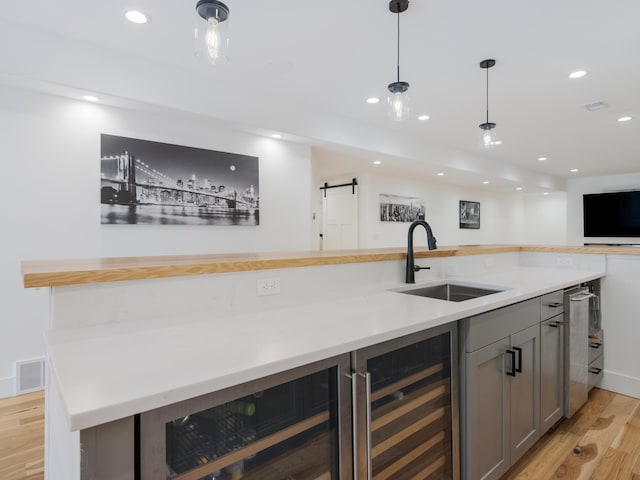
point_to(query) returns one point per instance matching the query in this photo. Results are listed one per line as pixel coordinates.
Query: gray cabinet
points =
(525, 393)
(551, 360)
(486, 418)
(596, 365)
(500, 388)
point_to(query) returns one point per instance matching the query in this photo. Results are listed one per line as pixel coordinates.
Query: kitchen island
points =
(127, 346)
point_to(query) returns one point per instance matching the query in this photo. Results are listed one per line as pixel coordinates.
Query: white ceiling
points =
(305, 68)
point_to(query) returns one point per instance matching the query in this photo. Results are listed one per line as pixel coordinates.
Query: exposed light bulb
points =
(398, 100)
(212, 40)
(487, 138)
(398, 107)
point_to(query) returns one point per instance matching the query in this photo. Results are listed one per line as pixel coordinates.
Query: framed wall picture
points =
(469, 214)
(396, 208)
(153, 183)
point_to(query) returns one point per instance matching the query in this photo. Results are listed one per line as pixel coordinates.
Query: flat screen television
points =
(614, 214)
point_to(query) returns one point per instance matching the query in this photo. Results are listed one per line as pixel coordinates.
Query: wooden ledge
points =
(53, 273)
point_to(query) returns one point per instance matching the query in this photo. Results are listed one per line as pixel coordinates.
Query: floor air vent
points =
(29, 375)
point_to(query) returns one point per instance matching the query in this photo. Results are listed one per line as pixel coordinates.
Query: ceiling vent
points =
(592, 107)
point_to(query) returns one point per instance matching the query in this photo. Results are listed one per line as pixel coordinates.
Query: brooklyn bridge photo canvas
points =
(153, 183)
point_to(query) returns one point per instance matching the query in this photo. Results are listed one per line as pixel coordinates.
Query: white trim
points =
(620, 383)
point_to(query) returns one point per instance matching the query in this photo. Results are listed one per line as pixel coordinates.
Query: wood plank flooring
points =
(601, 441)
(22, 437)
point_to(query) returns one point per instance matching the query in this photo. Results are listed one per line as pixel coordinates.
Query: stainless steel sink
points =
(453, 292)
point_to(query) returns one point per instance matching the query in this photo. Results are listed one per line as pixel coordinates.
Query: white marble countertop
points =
(112, 371)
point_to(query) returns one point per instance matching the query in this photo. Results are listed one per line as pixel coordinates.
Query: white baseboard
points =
(619, 383)
(7, 387)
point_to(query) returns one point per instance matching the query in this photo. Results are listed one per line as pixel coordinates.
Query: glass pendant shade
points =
(487, 135)
(398, 100)
(211, 32)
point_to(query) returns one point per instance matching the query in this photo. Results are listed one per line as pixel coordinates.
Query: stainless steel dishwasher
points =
(576, 308)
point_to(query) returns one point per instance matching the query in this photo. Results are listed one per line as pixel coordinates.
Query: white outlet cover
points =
(268, 286)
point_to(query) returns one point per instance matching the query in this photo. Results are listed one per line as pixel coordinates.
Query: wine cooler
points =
(405, 408)
(286, 426)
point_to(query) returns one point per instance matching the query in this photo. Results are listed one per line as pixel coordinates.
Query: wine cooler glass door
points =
(407, 411)
(286, 431)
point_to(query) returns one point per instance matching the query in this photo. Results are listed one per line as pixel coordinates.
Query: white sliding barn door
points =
(340, 218)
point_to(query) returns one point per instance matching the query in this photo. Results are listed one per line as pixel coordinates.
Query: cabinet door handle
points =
(555, 324)
(354, 419)
(512, 373)
(595, 370)
(595, 345)
(367, 379)
(554, 305)
(519, 367)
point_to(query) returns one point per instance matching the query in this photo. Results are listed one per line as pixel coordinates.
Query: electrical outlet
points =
(565, 262)
(268, 286)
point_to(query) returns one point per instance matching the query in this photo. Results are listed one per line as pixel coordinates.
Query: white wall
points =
(50, 150)
(504, 217)
(578, 187)
(545, 219)
(500, 214)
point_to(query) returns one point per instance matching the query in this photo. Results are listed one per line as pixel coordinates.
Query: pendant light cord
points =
(398, 56)
(487, 95)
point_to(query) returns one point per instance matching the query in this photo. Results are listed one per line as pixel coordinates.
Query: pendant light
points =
(211, 31)
(488, 135)
(398, 97)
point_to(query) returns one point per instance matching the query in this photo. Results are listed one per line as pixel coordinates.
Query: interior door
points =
(340, 218)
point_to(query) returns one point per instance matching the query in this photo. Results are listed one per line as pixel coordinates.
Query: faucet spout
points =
(431, 242)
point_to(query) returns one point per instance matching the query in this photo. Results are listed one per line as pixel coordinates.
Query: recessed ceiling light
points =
(373, 100)
(422, 118)
(276, 135)
(542, 159)
(498, 142)
(624, 119)
(134, 16)
(377, 162)
(573, 170)
(518, 188)
(485, 182)
(91, 98)
(578, 74)
(440, 174)
(546, 193)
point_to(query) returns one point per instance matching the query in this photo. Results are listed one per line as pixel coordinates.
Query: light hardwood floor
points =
(601, 441)
(22, 437)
